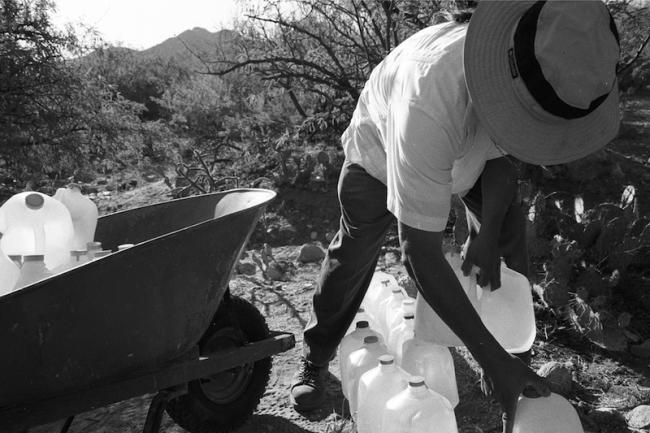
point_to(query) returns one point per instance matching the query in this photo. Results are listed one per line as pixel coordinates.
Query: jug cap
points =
(416, 381)
(34, 201)
(386, 359)
(408, 301)
(34, 258)
(363, 324)
(94, 245)
(370, 339)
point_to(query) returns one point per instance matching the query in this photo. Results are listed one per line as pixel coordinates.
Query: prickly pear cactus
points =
(589, 254)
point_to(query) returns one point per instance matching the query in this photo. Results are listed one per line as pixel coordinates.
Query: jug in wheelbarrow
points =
(36, 224)
(84, 214)
(9, 274)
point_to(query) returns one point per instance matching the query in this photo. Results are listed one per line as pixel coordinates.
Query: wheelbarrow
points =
(156, 318)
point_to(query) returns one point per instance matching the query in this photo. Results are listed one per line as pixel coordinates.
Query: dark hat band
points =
(531, 71)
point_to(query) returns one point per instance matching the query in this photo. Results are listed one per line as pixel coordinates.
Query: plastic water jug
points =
(418, 409)
(93, 248)
(33, 270)
(17, 259)
(83, 212)
(396, 317)
(387, 308)
(349, 344)
(552, 414)
(506, 312)
(9, 274)
(77, 258)
(434, 363)
(378, 290)
(403, 332)
(362, 360)
(101, 253)
(376, 387)
(425, 422)
(36, 224)
(361, 316)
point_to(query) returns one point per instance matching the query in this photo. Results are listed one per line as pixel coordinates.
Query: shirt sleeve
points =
(490, 148)
(420, 157)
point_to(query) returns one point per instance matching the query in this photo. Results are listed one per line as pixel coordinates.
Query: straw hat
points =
(542, 77)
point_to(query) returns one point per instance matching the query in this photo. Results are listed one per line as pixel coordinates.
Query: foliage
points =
(225, 124)
(591, 251)
(633, 22)
(315, 57)
(35, 105)
(323, 50)
(58, 117)
(140, 79)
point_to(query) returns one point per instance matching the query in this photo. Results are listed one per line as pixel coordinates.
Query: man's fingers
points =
(508, 416)
(508, 423)
(495, 283)
(480, 279)
(540, 386)
(466, 267)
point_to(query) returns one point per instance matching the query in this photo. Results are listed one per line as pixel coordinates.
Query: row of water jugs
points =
(395, 382)
(43, 236)
(397, 371)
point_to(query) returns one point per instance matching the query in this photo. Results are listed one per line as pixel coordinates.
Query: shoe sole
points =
(306, 408)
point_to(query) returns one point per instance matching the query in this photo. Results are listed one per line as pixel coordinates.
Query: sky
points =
(140, 24)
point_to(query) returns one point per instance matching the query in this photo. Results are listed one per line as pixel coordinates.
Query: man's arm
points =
(498, 187)
(437, 283)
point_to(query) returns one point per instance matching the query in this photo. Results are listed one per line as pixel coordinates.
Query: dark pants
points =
(352, 257)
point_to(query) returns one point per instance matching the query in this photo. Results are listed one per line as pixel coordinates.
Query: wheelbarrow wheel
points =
(224, 401)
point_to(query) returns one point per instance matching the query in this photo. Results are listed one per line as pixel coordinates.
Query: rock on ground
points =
(559, 377)
(311, 253)
(639, 417)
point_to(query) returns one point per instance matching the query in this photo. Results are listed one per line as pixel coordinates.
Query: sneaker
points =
(308, 387)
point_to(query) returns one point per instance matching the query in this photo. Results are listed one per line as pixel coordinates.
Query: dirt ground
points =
(605, 385)
(286, 307)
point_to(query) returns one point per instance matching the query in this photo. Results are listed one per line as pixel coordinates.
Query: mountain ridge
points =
(191, 43)
(186, 48)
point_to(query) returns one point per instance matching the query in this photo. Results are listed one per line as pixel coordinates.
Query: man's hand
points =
(506, 376)
(506, 382)
(498, 189)
(482, 251)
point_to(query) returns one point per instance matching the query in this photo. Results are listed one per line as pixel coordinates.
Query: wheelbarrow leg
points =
(158, 405)
(67, 424)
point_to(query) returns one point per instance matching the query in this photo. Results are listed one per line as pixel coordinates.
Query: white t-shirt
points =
(415, 130)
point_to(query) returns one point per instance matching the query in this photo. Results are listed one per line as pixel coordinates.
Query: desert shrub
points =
(586, 254)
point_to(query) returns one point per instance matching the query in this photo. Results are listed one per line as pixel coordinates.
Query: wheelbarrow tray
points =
(134, 310)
